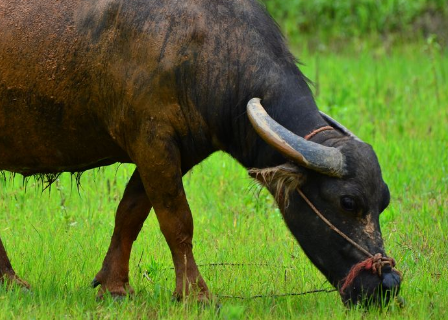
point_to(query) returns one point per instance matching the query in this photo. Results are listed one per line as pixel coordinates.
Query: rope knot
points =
(378, 262)
(375, 264)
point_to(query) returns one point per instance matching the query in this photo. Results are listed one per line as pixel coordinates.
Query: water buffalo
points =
(163, 84)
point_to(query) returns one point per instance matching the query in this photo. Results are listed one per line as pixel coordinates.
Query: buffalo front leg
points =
(162, 176)
(7, 273)
(131, 214)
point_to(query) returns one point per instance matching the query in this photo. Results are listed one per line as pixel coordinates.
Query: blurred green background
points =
(330, 21)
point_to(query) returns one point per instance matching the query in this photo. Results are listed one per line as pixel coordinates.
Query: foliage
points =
(348, 18)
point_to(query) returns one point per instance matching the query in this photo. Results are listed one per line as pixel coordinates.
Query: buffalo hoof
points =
(204, 299)
(117, 291)
(12, 281)
(204, 304)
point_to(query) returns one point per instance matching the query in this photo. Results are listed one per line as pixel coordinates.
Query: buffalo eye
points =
(348, 204)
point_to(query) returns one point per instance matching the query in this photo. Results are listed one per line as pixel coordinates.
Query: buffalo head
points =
(339, 178)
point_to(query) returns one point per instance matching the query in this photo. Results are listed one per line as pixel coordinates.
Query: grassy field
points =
(395, 98)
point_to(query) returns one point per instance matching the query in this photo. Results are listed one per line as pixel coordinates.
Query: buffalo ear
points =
(280, 180)
(266, 175)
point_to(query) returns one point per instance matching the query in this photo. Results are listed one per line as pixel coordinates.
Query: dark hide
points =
(163, 84)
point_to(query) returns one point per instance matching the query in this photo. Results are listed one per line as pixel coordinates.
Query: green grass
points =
(358, 18)
(394, 98)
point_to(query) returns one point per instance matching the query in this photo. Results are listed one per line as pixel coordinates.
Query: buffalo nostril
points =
(390, 280)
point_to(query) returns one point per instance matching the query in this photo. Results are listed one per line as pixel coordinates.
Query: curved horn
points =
(338, 126)
(326, 160)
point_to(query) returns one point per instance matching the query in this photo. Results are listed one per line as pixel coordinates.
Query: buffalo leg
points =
(7, 273)
(162, 176)
(132, 211)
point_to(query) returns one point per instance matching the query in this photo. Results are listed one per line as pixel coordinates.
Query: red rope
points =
(312, 134)
(374, 264)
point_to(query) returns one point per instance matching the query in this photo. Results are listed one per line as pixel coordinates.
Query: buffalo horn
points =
(338, 126)
(326, 160)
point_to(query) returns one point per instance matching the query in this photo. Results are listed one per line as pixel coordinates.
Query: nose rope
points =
(375, 263)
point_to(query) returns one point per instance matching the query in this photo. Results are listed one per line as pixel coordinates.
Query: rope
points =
(258, 296)
(343, 235)
(312, 134)
(375, 263)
